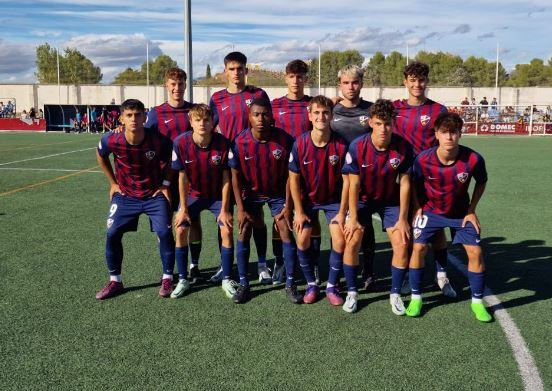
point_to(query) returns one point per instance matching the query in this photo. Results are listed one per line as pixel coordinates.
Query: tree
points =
(483, 72)
(331, 63)
(208, 72)
(392, 72)
(157, 69)
(75, 68)
(130, 77)
(460, 77)
(536, 73)
(441, 65)
(373, 76)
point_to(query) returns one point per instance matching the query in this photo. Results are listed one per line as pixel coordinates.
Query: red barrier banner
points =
(35, 125)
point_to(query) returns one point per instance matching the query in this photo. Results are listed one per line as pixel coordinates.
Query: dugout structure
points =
(63, 118)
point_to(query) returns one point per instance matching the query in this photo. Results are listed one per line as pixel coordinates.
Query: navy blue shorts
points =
(255, 206)
(198, 205)
(389, 215)
(426, 228)
(124, 212)
(330, 211)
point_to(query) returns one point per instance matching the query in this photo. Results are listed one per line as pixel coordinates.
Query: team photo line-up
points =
(299, 155)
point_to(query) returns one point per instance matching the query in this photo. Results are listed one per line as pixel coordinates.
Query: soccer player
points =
(171, 119)
(259, 162)
(316, 184)
(291, 114)
(138, 185)
(350, 120)
(441, 177)
(377, 165)
(415, 123)
(201, 157)
(231, 116)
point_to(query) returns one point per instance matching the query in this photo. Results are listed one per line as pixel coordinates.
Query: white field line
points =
(526, 364)
(47, 156)
(42, 169)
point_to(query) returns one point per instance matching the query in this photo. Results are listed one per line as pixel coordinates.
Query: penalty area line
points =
(526, 364)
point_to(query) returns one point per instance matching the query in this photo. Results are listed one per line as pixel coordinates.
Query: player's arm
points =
(343, 204)
(404, 202)
(471, 217)
(300, 217)
(352, 223)
(225, 217)
(182, 216)
(107, 168)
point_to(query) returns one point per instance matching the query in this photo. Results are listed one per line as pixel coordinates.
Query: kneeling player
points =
(201, 156)
(316, 184)
(139, 185)
(259, 162)
(378, 164)
(441, 176)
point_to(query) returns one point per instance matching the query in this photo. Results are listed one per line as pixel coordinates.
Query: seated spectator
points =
(32, 113)
(24, 115)
(465, 102)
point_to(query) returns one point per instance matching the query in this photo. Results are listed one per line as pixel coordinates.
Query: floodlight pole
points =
(188, 49)
(319, 67)
(147, 74)
(59, 87)
(496, 74)
(407, 54)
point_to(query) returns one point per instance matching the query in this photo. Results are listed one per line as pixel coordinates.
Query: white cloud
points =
(16, 60)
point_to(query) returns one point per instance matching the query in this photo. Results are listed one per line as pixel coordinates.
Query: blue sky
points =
(113, 34)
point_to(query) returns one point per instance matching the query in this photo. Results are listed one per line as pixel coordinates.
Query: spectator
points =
(1, 109)
(465, 102)
(494, 103)
(112, 101)
(24, 115)
(32, 113)
(473, 102)
(40, 114)
(484, 104)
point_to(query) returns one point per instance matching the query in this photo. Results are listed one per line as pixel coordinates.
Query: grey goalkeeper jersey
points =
(351, 122)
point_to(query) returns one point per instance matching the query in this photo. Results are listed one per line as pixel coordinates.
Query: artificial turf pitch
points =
(55, 335)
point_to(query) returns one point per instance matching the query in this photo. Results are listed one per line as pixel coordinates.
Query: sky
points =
(113, 34)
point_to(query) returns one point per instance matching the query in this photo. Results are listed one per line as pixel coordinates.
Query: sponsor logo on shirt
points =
(282, 112)
(168, 120)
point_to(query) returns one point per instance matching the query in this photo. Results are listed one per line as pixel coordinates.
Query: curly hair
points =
(417, 69)
(175, 74)
(449, 121)
(383, 109)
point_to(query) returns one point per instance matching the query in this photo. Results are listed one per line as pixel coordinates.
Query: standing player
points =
(139, 185)
(171, 119)
(316, 184)
(201, 157)
(441, 177)
(230, 110)
(291, 114)
(350, 120)
(415, 121)
(259, 161)
(377, 166)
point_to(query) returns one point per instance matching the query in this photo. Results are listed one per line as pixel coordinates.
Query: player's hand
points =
(114, 189)
(351, 225)
(225, 219)
(244, 218)
(118, 129)
(340, 220)
(182, 218)
(404, 228)
(418, 214)
(299, 221)
(336, 99)
(284, 214)
(165, 191)
(472, 218)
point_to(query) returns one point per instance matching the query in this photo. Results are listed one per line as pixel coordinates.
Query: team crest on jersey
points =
(109, 223)
(462, 177)
(333, 159)
(363, 119)
(248, 102)
(424, 119)
(150, 154)
(417, 233)
(277, 153)
(216, 160)
(395, 162)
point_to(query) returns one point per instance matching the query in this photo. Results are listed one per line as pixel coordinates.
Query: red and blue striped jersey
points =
(139, 169)
(204, 167)
(170, 121)
(442, 189)
(263, 166)
(320, 168)
(415, 123)
(378, 171)
(292, 115)
(231, 111)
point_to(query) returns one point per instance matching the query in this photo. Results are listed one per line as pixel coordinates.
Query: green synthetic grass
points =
(55, 335)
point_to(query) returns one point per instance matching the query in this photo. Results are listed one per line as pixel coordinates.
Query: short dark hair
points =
(322, 101)
(235, 57)
(297, 67)
(132, 104)
(261, 102)
(449, 121)
(417, 69)
(383, 109)
(175, 74)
